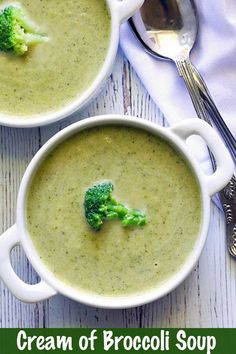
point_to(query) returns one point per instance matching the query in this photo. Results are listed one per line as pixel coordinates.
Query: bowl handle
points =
(126, 8)
(24, 292)
(225, 166)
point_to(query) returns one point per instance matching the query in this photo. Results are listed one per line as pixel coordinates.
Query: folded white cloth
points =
(214, 55)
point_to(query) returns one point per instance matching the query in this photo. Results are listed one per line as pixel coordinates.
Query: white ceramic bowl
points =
(120, 10)
(49, 284)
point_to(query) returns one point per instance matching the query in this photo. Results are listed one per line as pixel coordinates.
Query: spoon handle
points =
(206, 107)
(228, 200)
(215, 114)
(185, 70)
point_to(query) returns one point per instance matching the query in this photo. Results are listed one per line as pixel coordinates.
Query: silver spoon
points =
(168, 30)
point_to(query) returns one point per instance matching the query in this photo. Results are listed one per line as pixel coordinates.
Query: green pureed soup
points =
(51, 75)
(148, 174)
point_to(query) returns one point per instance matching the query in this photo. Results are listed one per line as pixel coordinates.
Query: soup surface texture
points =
(53, 74)
(147, 174)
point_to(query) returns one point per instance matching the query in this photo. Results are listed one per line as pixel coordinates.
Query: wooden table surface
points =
(206, 299)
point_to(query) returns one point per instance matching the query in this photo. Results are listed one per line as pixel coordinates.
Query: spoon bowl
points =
(168, 28)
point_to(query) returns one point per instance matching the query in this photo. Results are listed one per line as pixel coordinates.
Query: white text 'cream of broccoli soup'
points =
(148, 174)
(52, 74)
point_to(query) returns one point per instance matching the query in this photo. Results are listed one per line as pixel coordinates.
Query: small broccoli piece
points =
(99, 204)
(17, 32)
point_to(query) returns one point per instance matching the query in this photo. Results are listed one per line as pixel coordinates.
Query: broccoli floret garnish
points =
(99, 204)
(17, 32)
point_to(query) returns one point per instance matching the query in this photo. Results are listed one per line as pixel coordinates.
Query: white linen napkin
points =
(214, 55)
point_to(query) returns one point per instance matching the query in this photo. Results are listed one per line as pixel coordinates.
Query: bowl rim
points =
(80, 101)
(103, 301)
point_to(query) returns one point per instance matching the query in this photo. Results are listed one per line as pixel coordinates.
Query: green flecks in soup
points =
(51, 75)
(147, 173)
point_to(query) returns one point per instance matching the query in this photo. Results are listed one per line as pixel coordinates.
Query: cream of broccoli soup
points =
(52, 74)
(147, 174)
